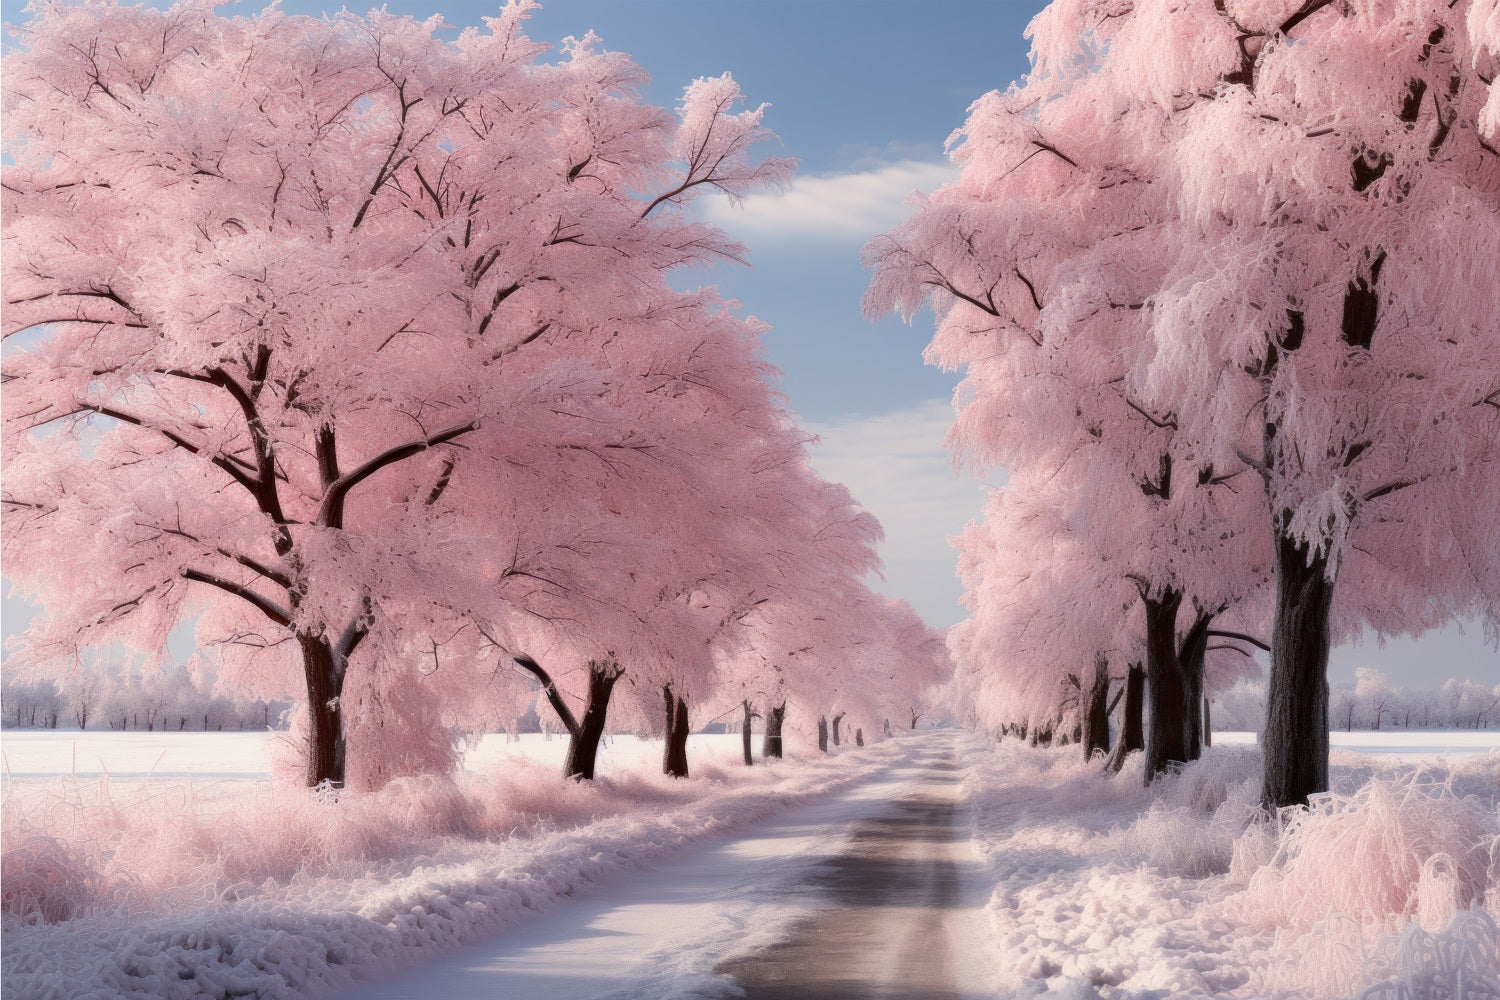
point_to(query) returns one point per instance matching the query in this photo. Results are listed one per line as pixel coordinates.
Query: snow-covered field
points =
(41, 753)
(187, 873)
(1409, 743)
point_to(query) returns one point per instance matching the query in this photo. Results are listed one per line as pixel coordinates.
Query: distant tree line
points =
(169, 700)
(1371, 702)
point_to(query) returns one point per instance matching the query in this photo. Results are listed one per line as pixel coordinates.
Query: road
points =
(862, 895)
(894, 890)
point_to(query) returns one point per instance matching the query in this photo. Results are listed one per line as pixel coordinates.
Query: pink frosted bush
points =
(1376, 856)
(42, 879)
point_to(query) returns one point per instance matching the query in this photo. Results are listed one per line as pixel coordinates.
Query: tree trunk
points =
(1208, 722)
(1191, 655)
(325, 685)
(583, 742)
(745, 733)
(1096, 710)
(836, 720)
(775, 716)
(823, 733)
(1296, 736)
(674, 759)
(1132, 734)
(1166, 736)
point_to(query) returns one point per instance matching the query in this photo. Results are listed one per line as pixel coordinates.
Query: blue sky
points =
(864, 93)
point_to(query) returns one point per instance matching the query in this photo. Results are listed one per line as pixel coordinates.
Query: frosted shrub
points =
(1364, 855)
(425, 805)
(1194, 828)
(42, 879)
(1353, 869)
(1206, 784)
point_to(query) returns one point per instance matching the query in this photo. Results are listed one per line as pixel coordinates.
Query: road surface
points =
(862, 895)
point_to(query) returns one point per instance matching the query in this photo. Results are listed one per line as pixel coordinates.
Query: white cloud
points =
(856, 205)
(896, 466)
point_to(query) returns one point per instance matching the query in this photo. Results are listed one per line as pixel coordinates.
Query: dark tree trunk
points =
(1096, 710)
(1166, 736)
(1296, 736)
(836, 720)
(1132, 733)
(1208, 723)
(583, 742)
(745, 733)
(325, 685)
(1191, 655)
(823, 733)
(775, 716)
(674, 759)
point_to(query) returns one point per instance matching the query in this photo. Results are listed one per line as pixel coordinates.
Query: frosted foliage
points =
(1169, 48)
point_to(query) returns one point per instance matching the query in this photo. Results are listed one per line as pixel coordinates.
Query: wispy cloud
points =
(843, 206)
(897, 468)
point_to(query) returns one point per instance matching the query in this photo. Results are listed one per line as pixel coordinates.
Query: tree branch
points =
(268, 607)
(1242, 637)
(554, 696)
(229, 464)
(331, 512)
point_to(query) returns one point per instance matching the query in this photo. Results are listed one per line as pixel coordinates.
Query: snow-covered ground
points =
(187, 873)
(1107, 889)
(185, 887)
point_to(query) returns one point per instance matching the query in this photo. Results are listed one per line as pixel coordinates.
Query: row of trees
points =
(116, 698)
(1221, 280)
(356, 346)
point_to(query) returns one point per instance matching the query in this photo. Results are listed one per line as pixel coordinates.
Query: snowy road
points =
(864, 894)
(896, 887)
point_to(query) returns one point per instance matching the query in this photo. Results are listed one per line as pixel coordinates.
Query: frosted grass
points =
(1108, 890)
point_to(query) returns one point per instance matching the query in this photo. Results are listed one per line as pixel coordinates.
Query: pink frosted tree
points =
(1329, 321)
(317, 310)
(1038, 263)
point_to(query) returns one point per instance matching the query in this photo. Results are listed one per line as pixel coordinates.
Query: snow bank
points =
(171, 890)
(1107, 889)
